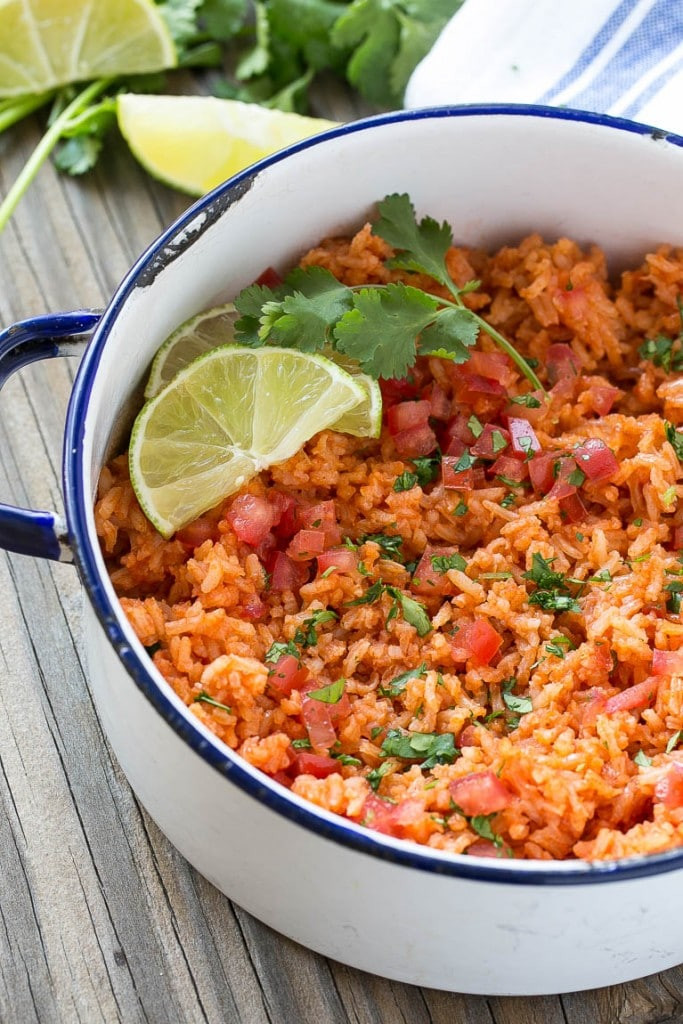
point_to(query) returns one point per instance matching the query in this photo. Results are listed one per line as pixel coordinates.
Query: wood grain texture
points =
(101, 920)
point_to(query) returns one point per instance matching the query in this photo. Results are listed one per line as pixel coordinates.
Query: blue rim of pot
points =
(215, 753)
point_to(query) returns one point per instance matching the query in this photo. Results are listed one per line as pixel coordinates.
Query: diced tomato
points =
(439, 402)
(428, 580)
(288, 674)
(523, 438)
(269, 278)
(378, 814)
(340, 710)
(468, 737)
(306, 544)
(195, 534)
(322, 516)
(667, 663)
(533, 415)
(603, 398)
(596, 460)
(253, 608)
(456, 480)
(415, 442)
(318, 765)
(572, 509)
(285, 508)
(561, 362)
(454, 447)
(469, 385)
(491, 442)
(678, 538)
(564, 469)
(251, 518)
(511, 468)
(594, 706)
(341, 559)
(407, 416)
(484, 848)
(495, 365)
(286, 573)
(541, 471)
(480, 793)
(318, 721)
(397, 390)
(669, 790)
(477, 640)
(457, 428)
(283, 778)
(638, 696)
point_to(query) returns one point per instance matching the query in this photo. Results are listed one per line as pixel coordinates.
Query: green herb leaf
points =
(529, 400)
(305, 318)
(442, 563)
(461, 508)
(427, 468)
(466, 461)
(279, 649)
(675, 439)
(663, 351)
(331, 694)
(390, 544)
(405, 481)
(474, 424)
(552, 593)
(422, 246)
(308, 636)
(304, 744)
(674, 741)
(398, 683)
(428, 748)
(347, 759)
(204, 698)
(520, 705)
(413, 612)
(481, 824)
(642, 759)
(450, 336)
(375, 775)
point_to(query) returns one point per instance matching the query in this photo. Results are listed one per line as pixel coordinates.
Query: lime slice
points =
(365, 419)
(225, 417)
(45, 43)
(194, 142)
(198, 335)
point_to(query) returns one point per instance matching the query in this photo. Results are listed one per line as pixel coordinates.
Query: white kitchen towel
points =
(621, 57)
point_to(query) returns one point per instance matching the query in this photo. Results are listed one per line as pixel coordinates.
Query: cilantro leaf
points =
(552, 593)
(429, 748)
(78, 155)
(405, 481)
(520, 705)
(427, 468)
(675, 740)
(450, 336)
(675, 439)
(481, 824)
(303, 744)
(205, 698)
(390, 544)
(422, 246)
(278, 649)
(381, 329)
(181, 18)
(222, 19)
(642, 759)
(398, 683)
(413, 612)
(309, 637)
(663, 351)
(331, 694)
(442, 563)
(305, 317)
(376, 775)
(528, 400)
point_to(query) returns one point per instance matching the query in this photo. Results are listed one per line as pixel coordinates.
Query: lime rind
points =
(231, 413)
(201, 333)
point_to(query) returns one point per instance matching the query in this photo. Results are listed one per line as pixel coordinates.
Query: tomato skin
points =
(541, 471)
(288, 674)
(406, 416)
(572, 509)
(286, 573)
(489, 444)
(596, 460)
(634, 697)
(317, 765)
(494, 365)
(339, 558)
(415, 442)
(523, 438)
(669, 790)
(306, 544)
(428, 580)
(457, 428)
(561, 362)
(251, 518)
(477, 640)
(195, 534)
(455, 480)
(603, 398)
(397, 390)
(667, 663)
(480, 793)
(513, 469)
(285, 513)
(317, 517)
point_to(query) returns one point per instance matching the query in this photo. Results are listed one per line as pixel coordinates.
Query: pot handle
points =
(28, 531)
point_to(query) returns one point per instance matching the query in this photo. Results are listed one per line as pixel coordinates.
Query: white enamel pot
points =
(386, 906)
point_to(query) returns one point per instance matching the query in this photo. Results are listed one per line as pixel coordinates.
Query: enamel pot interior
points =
(496, 174)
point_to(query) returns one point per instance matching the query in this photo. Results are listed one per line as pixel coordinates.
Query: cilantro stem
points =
(15, 110)
(46, 145)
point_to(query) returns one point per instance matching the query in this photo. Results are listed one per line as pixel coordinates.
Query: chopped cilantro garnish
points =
(389, 544)
(509, 482)
(429, 748)
(530, 401)
(663, 351)
(475, 426)
(376, 775)
(405, 481)
(675, 591)
(204, 698)
(331, 694)
(347, 759)
(498, 442)
(442, 563)
(675, 439)
(278, 650)
(398, 683)
(576, 477)
(552, 588)
(304, 744)
(461, 508)
(674, 741)
(375, 731)
(466, 461)
(669, 496)
(642, 759)
(481, 823)
(509, 501)
(638, 522)
(496, 576)
(520, 705)
(308, 637)
(427, 468)
(559, 646)
(413, 612)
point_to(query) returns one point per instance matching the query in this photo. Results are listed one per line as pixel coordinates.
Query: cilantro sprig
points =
(412, 611)
(383, 327)
(552, 591)
(427, 748)
(666, 352)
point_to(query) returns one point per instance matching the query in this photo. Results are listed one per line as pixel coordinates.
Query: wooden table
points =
(101, 920)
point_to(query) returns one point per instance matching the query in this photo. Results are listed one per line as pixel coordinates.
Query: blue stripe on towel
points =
(652, 89)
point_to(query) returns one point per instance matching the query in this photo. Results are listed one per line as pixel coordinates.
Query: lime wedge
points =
(229, 414)
(365, 419)
(199, 334)
(48, 43)
(194, 142)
